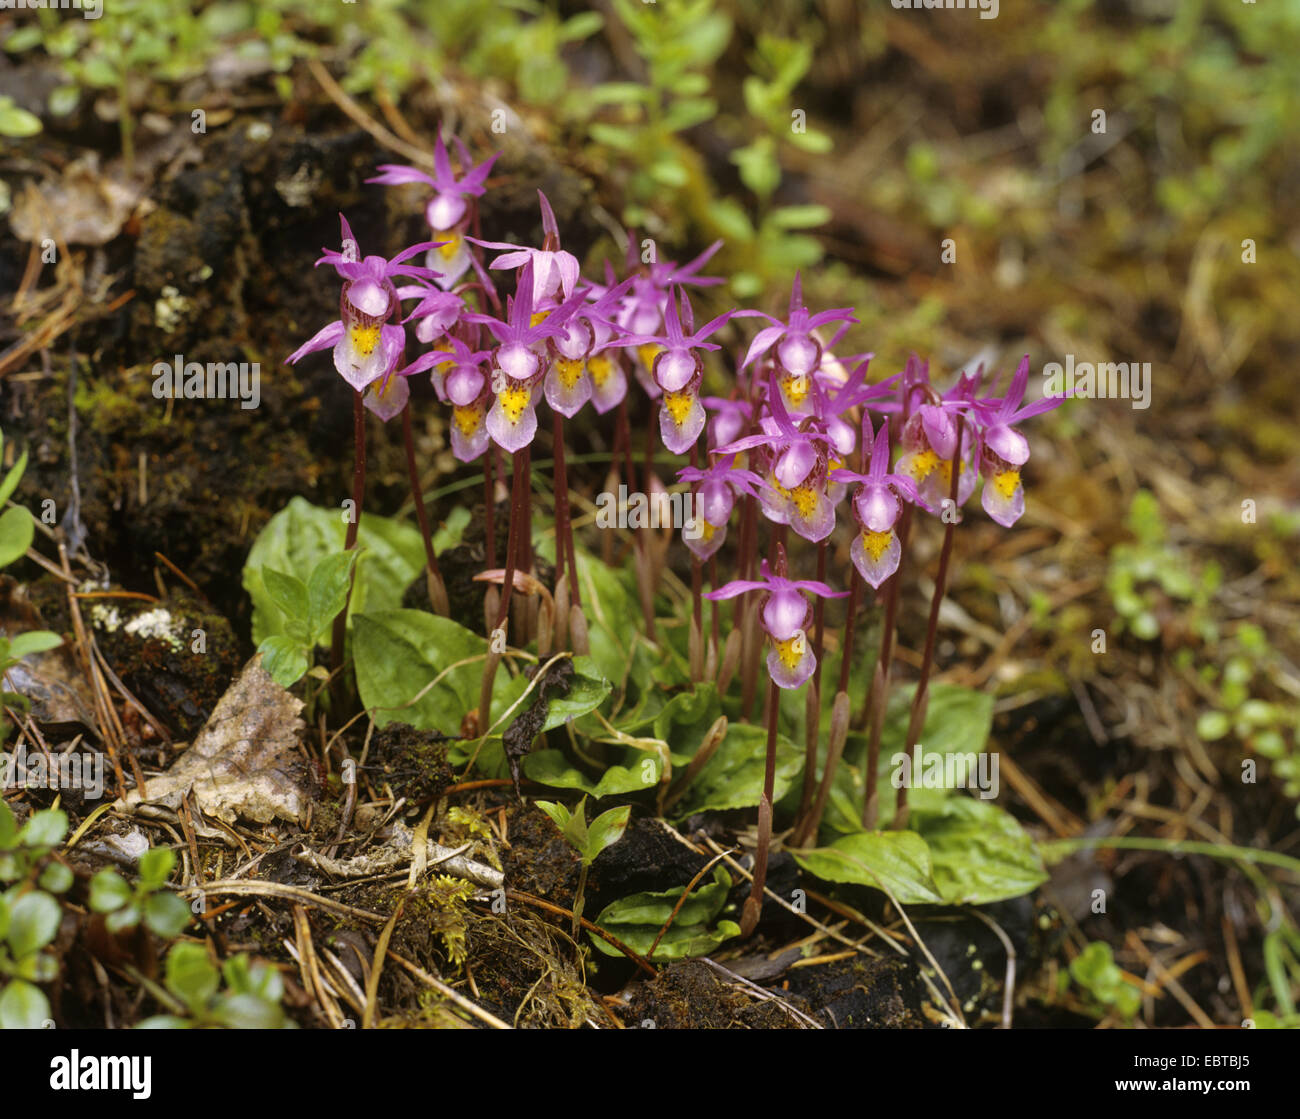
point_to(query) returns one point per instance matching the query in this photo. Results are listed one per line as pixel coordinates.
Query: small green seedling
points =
(250, 1001)
(16, 527)
(309, 609)
(1095, 970)
(16, 532)
(15, 121)
(124, 906)
(589, 840)
(29, 914)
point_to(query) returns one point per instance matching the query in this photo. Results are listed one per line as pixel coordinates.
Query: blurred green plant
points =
(29, 913)
(1237, 114)
(1142, 571)
(17, 122)
(196, 1000)
(124, 906)
(309, 610)
(1094, 970)
(1271, 729)
(16, 533)
(677, 41)
(134, 44)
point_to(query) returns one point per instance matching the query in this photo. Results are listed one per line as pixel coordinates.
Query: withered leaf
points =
(243, 762)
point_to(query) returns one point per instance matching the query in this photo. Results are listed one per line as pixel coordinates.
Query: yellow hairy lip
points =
(1006, 482)
(876, 543)
(466, 418)
(364, 339)
(514, 399)
(679, 406)
(805, 500)
(791, 652)
(452, 246)
(600, 367)
(568, 371)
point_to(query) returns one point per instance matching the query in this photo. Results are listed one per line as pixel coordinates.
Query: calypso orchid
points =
(448, 210)
(678, 372)
(786, 616)
(643, 309)
(464, 384)
(553, 269)
(795, 463)
(715, 497)
(519, 369)
(582, 367)
(1004, 450)
(929, 440)
(798, 352)
(877, 505)
(366, 345)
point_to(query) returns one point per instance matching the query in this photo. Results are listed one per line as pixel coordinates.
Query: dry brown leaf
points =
(243, 761)
(83, 207)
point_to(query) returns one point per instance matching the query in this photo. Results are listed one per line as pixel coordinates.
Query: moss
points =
(412, 762)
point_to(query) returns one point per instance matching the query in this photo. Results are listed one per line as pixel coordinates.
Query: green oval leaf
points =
(979, 852)
(23, 1007)
(896, 861)
(299, 536)
(33, 921)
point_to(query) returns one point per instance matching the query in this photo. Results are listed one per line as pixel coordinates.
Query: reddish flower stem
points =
(744, 609)
(811, 824)
(515, 527)
(921, 697)
(437, 588)
(489, 506)
(713, 606)
(563, 520)
(813, 733)
(638, 542)
(697, 567)
(753, 908)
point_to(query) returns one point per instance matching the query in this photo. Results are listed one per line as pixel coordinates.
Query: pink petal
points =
(444, 211)
(1008, 444)
(673, 369)
(784, 613)
(392, 401)
(680, 439)
(323, 339)
(796, 464)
